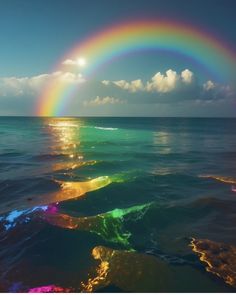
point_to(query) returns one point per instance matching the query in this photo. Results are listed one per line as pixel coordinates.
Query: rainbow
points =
(103, 47)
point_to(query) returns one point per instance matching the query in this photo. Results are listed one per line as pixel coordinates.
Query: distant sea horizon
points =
(108, 116)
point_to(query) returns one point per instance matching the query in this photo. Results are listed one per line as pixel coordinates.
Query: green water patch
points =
(109, 225)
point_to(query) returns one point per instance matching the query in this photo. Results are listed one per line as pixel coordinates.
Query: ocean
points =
(117, 204)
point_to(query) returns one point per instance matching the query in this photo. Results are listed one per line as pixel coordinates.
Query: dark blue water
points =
(112, 204)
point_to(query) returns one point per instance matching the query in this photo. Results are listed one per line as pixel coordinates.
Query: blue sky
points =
(36, 34)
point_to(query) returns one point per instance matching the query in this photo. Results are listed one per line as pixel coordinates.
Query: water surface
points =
(84, 199)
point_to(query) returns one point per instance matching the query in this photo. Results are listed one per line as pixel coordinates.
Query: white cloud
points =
(187, 76)
(79, 62)
(103, 100)
(133, 86)
(70, 78)
(70, 62)
(14, 86)
(160, 83)
(163, 83)
(106, 82)
(209, 85)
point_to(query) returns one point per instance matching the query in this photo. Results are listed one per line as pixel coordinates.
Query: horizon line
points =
(108, 116)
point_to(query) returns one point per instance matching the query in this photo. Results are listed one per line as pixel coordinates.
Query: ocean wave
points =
(17, 217)
(65, 190)
(106, 128)
(109, 225)
(224, 179)
(99, 127)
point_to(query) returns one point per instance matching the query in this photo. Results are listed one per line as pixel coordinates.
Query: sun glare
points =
(81, 62)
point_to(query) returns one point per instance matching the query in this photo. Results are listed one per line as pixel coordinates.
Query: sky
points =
(36, 35)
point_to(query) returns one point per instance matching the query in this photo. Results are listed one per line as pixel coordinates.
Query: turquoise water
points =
(111, 204)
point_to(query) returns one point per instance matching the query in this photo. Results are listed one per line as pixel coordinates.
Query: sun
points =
(81, 61)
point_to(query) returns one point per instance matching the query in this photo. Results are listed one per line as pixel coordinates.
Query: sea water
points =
(112, 204)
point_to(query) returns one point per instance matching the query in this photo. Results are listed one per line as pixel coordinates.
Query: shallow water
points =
(82, 199)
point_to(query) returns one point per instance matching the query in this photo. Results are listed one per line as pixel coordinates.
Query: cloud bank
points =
(103, 101)
(14, 86)
(168, 88)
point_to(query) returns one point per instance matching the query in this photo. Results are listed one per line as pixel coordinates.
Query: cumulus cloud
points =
(103, 101)
(161, 83)
(14, 86)
(209, 85)
(106, 82)
(187, 76)
(133, 86)
(170, 86)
